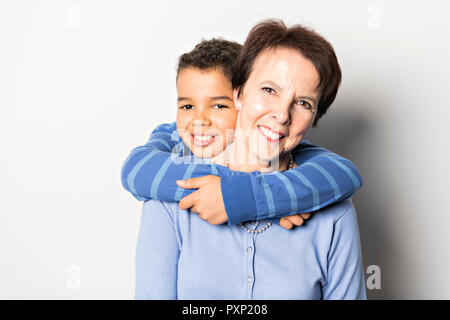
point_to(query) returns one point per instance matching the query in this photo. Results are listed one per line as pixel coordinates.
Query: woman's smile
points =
(270, 135)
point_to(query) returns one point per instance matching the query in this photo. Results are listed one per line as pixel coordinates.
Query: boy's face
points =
(206, 115)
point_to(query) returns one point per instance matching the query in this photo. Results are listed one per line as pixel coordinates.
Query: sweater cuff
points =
(237, 193)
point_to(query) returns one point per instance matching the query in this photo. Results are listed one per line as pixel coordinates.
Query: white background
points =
(83, 82)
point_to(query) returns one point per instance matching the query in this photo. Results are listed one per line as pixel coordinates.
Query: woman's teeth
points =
(269, 133)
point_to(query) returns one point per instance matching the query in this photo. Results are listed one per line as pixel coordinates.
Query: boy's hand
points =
(207, 201)
(294, 220)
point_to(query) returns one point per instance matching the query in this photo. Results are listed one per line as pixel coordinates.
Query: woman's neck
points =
(238, 157)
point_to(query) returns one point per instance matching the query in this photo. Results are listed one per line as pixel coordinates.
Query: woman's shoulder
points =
(158, 207)
(337, 211)
(162, 204)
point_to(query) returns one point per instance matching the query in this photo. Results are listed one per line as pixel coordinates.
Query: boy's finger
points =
(193, 183)
(305, 216)
(187, 202)
(284, 222)
(295, 219)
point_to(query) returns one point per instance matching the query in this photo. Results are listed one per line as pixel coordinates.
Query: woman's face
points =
(278, 103)
(206, 115)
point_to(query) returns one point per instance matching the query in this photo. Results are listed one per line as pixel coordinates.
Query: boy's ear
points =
(237, 102)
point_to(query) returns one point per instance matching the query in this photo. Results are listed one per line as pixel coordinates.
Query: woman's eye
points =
(187, 107)
(268, 90)
(305, 104)
(219, 106)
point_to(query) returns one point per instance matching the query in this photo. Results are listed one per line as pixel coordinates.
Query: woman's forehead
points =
(284, 67)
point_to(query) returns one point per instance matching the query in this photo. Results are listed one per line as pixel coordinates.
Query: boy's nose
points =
(201, 121)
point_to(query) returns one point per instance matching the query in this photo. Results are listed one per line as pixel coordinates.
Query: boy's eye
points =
(187, 107)
(268, 90)
(219, 106)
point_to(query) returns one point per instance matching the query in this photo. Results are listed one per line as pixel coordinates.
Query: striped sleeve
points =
(151, 170)
(321, 179)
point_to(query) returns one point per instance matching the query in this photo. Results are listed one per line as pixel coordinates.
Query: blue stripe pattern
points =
(327, 175)
(322, 178)
(132, 175)
(158, 177)
(163, 142)
(290, 189)
(269, 196)
(187, 175)
(356, 182)
(315, 192)
(214, 170)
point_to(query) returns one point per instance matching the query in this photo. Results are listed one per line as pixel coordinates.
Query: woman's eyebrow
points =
(271, 83)
(307, 98)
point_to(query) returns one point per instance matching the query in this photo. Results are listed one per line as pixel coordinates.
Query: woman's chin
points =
(268, 156)
(271, 161)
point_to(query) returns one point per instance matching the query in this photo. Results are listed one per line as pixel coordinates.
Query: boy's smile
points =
(202, 140)
(206, 115)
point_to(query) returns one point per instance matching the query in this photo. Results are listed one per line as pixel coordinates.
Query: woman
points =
(285, 81)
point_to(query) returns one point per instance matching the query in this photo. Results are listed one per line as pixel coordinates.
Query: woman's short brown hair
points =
(273, 33)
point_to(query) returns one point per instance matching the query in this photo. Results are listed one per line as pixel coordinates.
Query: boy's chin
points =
(205, 153)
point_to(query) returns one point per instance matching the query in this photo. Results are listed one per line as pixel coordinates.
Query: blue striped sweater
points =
(321, 178)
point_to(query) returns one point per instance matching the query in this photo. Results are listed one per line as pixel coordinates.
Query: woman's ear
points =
(237, 102)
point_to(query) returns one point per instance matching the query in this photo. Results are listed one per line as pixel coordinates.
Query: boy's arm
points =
(321, 178)
(151, 170)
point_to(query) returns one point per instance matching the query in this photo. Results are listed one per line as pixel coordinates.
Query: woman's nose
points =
(282, 114)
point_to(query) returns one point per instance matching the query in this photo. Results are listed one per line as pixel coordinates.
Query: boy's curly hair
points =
(211, 54)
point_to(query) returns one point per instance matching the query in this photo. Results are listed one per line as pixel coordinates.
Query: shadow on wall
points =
(351, 136)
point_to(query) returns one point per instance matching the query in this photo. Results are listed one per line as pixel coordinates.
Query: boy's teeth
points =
(202, 138)
(269, 133)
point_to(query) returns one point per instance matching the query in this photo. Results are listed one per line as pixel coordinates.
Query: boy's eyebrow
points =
(212, 98)
(222, 98)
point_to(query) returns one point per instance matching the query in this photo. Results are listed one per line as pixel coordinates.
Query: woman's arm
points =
(321, 178)
(345, 276)
(157, 254)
